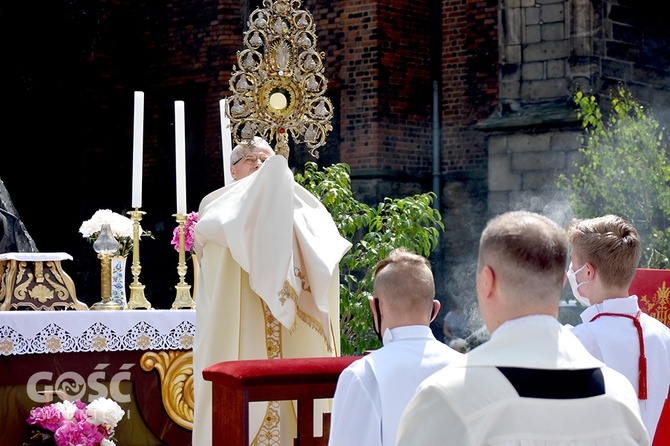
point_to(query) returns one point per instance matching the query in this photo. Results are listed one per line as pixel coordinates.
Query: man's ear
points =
(486, 281)
(373, 307)
(436, 309)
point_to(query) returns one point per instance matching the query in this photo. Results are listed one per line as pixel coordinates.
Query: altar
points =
(142, 359)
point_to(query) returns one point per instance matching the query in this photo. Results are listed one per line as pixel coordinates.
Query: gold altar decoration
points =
(279, 87)
(137, 299)
(36, 285)
(183, 298)
(175, 369)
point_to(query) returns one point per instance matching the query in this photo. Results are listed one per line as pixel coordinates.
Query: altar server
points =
(373, 391)
(604, 259)
(532, 383)
(268, 286)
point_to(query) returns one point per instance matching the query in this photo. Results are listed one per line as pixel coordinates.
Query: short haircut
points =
(610, 244)
(527, 252)
(245, 148)
(405, 280)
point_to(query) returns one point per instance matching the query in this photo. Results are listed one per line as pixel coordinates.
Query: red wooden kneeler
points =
(237, 383)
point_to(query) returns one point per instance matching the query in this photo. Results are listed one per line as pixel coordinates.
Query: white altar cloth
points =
(35, 256)
(31, 332)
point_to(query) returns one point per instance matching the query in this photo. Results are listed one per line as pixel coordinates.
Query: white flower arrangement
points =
(122, 228)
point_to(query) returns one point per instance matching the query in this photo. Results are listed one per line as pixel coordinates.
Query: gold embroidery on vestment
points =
(268, 434)
(658, 306)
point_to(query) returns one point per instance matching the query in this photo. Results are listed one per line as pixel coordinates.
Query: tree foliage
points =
(623, 170)
(409, 222)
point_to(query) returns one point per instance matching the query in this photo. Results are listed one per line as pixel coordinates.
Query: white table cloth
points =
(31, 332)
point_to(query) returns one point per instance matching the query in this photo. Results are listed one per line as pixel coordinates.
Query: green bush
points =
(623, 171)
(409, 222)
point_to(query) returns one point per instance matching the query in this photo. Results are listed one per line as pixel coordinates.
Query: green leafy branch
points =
(623, 170)
(409, 222)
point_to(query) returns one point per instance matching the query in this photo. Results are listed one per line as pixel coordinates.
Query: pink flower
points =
(75, 423)
(47, 417)
(189, 227)
(82, 433)
(81, 412)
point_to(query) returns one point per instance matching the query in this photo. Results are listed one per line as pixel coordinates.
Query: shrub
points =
(409, 222)
(624, 170)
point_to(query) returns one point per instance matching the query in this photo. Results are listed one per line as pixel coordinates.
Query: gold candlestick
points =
(137, 299)
(183, 299)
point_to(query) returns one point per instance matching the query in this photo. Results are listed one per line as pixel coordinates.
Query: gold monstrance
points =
(279, 87)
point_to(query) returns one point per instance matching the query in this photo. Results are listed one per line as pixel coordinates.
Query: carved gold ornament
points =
(176, 374)
(36, 285)
(279, 87)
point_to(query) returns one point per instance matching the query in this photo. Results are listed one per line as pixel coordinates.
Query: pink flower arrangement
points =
(189, 226)
(75, 423)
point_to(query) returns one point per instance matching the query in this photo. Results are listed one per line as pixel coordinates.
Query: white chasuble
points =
(268, 287)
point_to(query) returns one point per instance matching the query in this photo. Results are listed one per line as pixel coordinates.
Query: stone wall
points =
(549, 49)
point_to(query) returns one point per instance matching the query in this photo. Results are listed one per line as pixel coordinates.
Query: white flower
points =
(67, 408)
(122, 229)
(121, 226)
(105, 411)
(106, 442)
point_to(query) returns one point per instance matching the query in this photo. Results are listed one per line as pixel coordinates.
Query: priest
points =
(268, 284)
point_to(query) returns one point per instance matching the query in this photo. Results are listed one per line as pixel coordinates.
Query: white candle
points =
(138, 132)
(180, 147)
(226, 142)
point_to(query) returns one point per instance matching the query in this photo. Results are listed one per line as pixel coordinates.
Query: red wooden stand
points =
(237, 383)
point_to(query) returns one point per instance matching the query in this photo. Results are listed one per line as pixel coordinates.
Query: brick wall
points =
(359, 71)
(469, 94)
(378, 59)
(469, 79)
(505, 116)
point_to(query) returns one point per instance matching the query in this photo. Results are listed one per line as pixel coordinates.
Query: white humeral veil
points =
(268, 287)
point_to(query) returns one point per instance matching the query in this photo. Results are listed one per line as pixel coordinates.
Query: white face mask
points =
(572, 278)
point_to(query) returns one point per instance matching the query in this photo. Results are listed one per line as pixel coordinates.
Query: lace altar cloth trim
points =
(32, 332)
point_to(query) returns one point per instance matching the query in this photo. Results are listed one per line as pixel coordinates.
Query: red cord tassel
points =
(642, 387)
(642, 364)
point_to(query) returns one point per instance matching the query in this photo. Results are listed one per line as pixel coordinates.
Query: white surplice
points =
(614, 340)
(472, 403)
(268, 287)
(373, 391)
